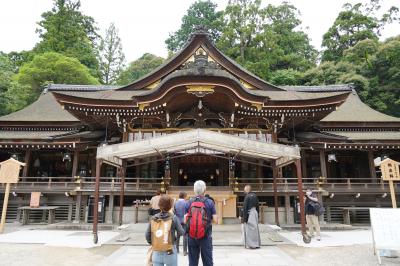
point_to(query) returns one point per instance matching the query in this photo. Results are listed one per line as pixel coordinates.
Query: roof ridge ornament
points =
(201, 29)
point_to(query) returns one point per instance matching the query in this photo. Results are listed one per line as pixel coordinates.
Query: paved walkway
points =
(223, 256)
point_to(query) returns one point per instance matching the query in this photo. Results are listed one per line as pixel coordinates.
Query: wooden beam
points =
(75, 163)
(371, 164)
(122, 173)
(96, 202)
(303, 163)
(301, 197)
(322, 160)
(27, 160)
(275, 176)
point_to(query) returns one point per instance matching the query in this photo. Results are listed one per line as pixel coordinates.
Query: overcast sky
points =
(144, 25)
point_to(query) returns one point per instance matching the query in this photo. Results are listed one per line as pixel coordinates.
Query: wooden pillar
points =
(274, 137)
(372, 166)
(301, 197)
(75, 163)
(110, 209)
(304, 164)
(125, 137)
(96, 202)
(287, 208)
(275, 176)
(122, 192)
(322, 160)
(25, 170)
(78, 207)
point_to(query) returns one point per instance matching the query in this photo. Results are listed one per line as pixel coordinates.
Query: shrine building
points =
(200, 115)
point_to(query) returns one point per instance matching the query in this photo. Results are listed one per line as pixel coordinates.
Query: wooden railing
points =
(330, 184)
(247, 133)
(66, 184)
(132, 184)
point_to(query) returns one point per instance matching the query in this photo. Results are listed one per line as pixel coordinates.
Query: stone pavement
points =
(223, 235)
(223, 256)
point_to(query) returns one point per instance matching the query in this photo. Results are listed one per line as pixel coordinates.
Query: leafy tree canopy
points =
(200, 13)
(66, 30)
(140, 67)
(267, 39)
(355, 23)
(52, 67)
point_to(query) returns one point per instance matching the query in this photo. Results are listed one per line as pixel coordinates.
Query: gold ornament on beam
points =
(257, 105)
(201, 90)
(143, 105)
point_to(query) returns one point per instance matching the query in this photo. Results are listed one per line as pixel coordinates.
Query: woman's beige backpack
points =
(161, 237)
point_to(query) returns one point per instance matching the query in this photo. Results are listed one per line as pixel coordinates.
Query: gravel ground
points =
(359, 255)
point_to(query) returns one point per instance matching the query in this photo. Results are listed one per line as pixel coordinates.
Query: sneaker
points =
(318, 238)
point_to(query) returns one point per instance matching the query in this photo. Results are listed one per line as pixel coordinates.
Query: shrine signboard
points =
(9, 174)
(390, 172)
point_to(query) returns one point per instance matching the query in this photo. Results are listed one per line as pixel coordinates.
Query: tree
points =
(200, 13)
(286, 77)
(138, 68)
(6, 73)
(52, 67)
(111, 56)
(264, 40)
(355, 23)
(384, 93)
(66, 30)
(17, 97)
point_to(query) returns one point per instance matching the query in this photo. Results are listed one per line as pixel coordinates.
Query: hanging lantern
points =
(167, 164)
(332, 157)
(67, 157)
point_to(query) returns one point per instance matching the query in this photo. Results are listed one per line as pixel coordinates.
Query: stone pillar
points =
(70, 210)
(109, 218)
(287, 209)
(275, 176)
(78, 207)
(220, 211)
(321, 217)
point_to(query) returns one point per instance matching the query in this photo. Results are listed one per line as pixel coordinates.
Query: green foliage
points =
(286, 77)
(200, 13)
(265, 40)
(355, 23)
(138, 68)
(17, 97)
(386, 74)
(52, 67)
(111, 56)
(66, 30)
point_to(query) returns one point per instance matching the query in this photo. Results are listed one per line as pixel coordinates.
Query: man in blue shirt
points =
(202, 246)
(180, 211)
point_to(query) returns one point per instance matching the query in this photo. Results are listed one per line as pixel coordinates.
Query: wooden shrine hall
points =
(200, 115)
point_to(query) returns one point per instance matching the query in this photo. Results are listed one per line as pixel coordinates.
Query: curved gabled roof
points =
(44, 109)
(354, 110)
(200, 40)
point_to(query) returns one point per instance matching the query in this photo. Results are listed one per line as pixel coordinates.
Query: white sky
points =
(145, 24)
